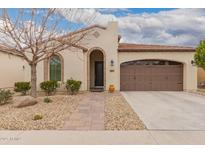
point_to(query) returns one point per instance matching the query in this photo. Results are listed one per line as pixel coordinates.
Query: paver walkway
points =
(89, 115)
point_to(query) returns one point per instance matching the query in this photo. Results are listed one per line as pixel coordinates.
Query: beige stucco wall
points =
(73, 67)
(11, 68)
(189, 73)
(76, 60)
(108, 43)
(201, 75)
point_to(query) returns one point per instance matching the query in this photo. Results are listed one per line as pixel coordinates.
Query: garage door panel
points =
(175, 87)
(175, 78)
(151, 77)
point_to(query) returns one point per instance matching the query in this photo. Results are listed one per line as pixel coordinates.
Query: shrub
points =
(73, 86)
(37, 117)
(49, 86)
(47, 100)
(199, 56)
(5, 96)
(22, 87)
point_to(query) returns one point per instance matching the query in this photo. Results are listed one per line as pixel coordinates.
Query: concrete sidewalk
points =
(102, 137)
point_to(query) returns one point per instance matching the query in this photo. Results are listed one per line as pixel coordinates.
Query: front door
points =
(98, 73)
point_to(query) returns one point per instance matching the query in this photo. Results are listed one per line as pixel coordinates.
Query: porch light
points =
(193, 63)
(112, 63)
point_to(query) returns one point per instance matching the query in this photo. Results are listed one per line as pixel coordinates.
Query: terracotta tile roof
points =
(126, 47)
(9, 51)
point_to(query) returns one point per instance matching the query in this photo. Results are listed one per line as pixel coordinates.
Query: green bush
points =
(73, 86)
(37, 117)
(47, 100)
(5, 96)
(49, 86)
(22, 87)
(199, 56)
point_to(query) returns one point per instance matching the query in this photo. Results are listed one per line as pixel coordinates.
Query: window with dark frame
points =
(55, 68)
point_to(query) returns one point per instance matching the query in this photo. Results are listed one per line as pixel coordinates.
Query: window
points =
(55, 68)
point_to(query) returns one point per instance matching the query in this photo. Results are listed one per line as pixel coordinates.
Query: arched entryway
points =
(151, 75)
(96, 67)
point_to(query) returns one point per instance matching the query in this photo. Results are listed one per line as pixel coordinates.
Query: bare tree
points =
(36, 34)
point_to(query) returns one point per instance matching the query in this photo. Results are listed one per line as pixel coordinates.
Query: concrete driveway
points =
(169, 110)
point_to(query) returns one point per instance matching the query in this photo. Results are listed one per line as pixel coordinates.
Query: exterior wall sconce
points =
(193, 63)
(23, 67)
(112, 63)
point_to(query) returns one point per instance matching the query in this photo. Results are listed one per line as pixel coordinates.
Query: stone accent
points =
(24, 101)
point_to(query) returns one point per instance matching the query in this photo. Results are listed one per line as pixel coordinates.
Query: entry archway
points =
(96, 69)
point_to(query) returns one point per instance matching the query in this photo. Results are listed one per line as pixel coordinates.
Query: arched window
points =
(55, 68)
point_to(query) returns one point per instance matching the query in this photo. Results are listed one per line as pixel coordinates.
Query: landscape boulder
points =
(24, 101)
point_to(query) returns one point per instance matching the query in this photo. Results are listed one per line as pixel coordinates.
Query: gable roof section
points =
(83, 30)
(88, 28)
(9, 51)
(127, 47)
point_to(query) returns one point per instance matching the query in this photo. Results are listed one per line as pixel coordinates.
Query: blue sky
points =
(124, 12)
(144, 25)
(184, 27)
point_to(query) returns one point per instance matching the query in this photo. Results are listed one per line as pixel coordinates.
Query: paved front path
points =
(89, 115)
(169, 110)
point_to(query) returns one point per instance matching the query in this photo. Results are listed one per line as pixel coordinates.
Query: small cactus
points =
(47, 100)
(37, 117)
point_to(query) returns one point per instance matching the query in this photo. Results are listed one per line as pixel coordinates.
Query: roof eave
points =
(156, 50)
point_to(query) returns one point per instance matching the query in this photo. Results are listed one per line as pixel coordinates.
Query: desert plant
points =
(49, 86)
(73, 86)
(37, 117)
(199, 56)
(22, 87)
(47, 100)
(5, 96)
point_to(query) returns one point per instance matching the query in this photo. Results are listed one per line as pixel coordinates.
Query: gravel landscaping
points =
(51, 116)
(119, 115)
(54, 114)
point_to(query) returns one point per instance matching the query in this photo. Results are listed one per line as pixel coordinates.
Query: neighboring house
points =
(108, 62)
(11, 68)
(201, 77)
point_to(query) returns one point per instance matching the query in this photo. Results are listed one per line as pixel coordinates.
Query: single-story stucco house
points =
(128, 67)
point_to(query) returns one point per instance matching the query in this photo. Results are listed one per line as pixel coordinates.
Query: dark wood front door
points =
(156, 77)
(99, 73)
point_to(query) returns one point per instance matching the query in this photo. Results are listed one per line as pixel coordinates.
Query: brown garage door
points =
(151, 75)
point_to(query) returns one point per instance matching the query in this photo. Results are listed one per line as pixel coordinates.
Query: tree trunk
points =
(33, 81)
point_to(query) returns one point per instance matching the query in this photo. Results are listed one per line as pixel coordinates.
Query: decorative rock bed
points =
(53, 114)
(119, 115)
